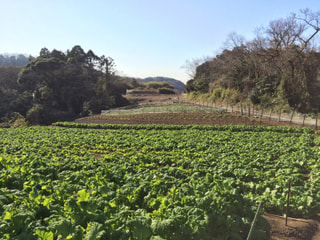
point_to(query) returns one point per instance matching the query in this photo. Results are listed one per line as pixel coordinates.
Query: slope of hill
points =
(178, 85)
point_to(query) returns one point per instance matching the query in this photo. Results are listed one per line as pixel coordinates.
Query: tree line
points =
(279, 67)
(60, 86)
(13, 60)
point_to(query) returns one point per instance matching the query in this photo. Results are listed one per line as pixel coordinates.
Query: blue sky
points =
(144, 37)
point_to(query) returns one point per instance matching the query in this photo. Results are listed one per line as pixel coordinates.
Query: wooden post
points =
(249, 110)
(289, 184)
(280, 116)
(304, 117)
(316, 121)
(291, 118)
(270, 114)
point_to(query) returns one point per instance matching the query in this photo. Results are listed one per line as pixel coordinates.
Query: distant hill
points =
(17, 60)
(178, 85)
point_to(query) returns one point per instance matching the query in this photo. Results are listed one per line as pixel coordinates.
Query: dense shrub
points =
(166, 91)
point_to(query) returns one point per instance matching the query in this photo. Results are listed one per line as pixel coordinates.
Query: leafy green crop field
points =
(126, 183)
(165, 108)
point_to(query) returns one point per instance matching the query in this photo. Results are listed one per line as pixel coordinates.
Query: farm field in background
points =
(203, 117)
(70, 183)
(162, 108)
(179, 103)
(177, 118)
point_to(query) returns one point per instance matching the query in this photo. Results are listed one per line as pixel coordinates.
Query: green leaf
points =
(78, 234)
(7, 216)
(83, 196)
(163, 227)
(156, 238)
(113, 204)
(64, 228)
(44, 235)
(141, 228)
(309, 201)
(46, 201)
(35, 196)
(94, 231)
(22, 219)
(24, 236)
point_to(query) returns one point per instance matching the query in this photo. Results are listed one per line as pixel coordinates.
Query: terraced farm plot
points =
(63, 183)
(180, 118)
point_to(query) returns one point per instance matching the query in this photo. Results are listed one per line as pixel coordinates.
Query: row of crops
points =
(135, 182)
(233, 128)
(173, 108)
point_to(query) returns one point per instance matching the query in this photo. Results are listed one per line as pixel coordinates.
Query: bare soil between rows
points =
(302, 229)
(297, 229)
(182, 118)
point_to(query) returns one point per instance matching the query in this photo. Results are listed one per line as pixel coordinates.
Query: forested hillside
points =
(13, 60)
(280, 67)
(58, 85)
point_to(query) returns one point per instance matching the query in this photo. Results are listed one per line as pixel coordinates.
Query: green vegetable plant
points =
(152, 181)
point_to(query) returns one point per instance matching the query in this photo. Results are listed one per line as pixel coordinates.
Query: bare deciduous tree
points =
(285, 32)
(234, 40)
(310, 19)
(280, 63)
(191, 65)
